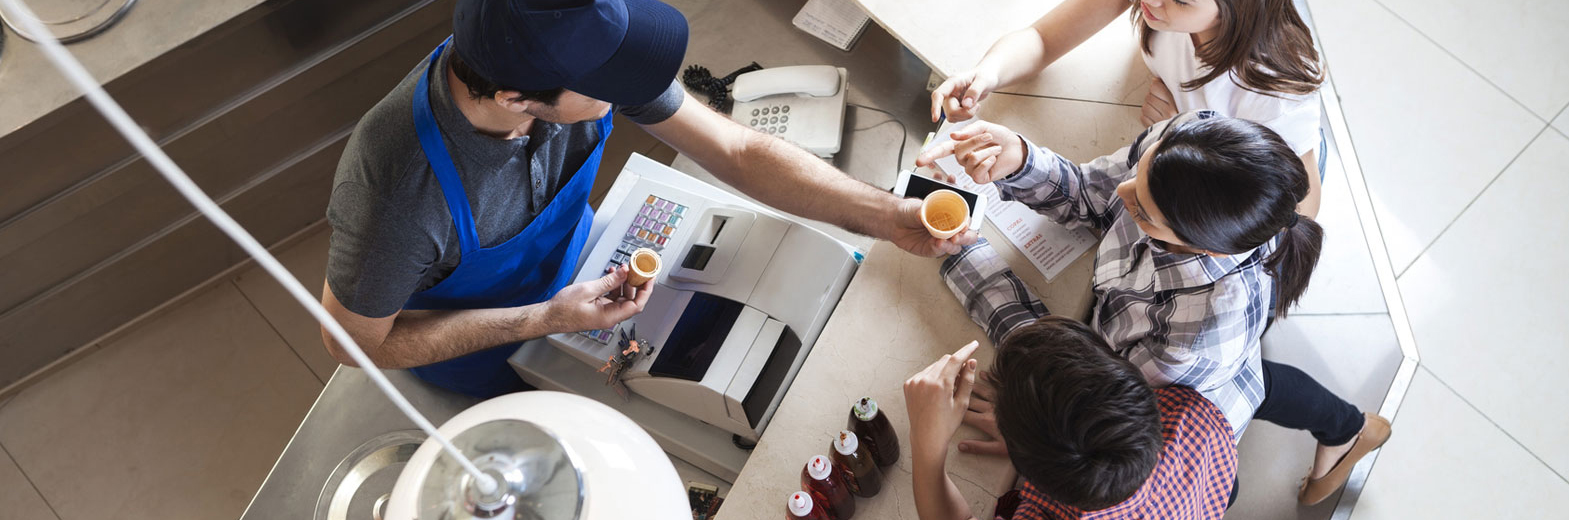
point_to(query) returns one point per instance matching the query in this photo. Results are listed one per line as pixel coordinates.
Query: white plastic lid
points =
(846, 443)
(819, 467)
(800, 504)
(865, 409)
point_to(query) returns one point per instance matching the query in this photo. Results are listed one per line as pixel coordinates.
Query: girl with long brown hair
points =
(1247, 59)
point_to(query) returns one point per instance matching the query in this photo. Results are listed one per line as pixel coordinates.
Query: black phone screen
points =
(919, 187)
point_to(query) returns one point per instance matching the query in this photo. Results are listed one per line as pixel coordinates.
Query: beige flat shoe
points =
(1373, 435)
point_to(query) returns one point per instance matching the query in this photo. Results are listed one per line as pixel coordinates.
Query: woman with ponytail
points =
(1202, 247)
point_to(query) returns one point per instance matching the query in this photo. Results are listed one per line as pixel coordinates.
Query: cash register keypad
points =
(651, 228)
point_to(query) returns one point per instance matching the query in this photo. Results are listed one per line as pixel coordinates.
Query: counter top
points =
(897, 317)
(30, 87)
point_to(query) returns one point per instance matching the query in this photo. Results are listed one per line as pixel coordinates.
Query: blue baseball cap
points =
(625, 52)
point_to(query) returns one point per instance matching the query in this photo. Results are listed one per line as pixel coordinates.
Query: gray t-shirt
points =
(392, 235)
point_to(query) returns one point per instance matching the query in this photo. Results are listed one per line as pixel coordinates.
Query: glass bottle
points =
(801, 507)
(855, 464)
(828, 488)
(874, 430)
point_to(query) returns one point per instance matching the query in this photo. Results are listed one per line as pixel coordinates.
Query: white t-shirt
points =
(1295, 117)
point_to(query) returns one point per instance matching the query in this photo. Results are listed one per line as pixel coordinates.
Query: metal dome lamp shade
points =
(557, 456)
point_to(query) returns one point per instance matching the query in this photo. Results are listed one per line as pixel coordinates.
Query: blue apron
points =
(528, 268)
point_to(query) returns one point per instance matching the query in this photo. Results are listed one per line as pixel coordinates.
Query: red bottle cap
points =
(800, 504)
(819, 467)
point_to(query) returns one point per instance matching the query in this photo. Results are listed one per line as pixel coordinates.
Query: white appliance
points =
(802, 104)
(741, 299)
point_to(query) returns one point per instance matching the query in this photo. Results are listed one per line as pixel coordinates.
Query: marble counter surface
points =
(952, 36)
(897, 317)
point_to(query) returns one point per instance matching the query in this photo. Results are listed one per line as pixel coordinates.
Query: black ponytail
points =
(1230, 186)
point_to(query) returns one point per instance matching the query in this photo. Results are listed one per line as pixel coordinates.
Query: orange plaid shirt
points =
(1192, 481)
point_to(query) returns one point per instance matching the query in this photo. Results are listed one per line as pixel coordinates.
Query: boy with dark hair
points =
(1089, 435)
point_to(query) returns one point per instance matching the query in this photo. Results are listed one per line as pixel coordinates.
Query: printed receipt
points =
(1048, 245)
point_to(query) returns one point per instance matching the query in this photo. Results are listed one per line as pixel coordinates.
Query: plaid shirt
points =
(1183, 319)
(1192, 480)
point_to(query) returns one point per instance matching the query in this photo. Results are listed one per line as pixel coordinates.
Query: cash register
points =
(741, 299)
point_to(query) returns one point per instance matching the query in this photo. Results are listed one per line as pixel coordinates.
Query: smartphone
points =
(911, 184)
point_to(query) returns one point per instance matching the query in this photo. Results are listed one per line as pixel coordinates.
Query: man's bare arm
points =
(413, 338)
(787, 177)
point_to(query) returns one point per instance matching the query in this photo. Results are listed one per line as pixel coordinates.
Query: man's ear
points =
(512, 101)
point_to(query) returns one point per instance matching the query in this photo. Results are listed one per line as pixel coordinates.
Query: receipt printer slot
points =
(715, 244)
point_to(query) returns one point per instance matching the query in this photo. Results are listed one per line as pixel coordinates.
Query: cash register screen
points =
(696, 338)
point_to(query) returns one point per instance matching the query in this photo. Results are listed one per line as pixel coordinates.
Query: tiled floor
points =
(1457, 111)
(1462, 141)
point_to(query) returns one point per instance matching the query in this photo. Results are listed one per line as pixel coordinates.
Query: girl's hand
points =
(987, 151)
(983, 416)
(961, 94)
(1159, 104)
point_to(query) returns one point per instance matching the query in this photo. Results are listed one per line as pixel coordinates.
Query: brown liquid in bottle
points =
(828, 488)
(872, 427)
(854, 462)
(800, 506)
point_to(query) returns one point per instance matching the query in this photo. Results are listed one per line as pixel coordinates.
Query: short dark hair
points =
(481, 87)
(1229, 185)
(1080, 422)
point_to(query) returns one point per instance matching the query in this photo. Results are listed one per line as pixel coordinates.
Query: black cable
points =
(903, 139)
(700, 80)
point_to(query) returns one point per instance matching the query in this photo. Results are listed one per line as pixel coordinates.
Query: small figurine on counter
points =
(632, 349)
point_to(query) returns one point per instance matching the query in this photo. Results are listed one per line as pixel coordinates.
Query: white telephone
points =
(802, 104)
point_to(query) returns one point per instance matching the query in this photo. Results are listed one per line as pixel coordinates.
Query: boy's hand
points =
(983, 416)
(935, 400)
(987, 151)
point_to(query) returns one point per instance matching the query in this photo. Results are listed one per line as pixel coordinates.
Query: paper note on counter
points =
(1048, 245)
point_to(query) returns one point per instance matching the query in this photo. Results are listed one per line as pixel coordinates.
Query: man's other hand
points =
(911, 235)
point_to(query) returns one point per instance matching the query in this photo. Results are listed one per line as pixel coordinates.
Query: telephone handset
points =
(801, 104)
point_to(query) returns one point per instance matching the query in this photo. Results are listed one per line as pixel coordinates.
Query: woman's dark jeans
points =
(1295, 400)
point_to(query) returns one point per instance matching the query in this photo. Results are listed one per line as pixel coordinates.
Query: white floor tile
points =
(1428, 141)
(1517, 44)
(180, 418)
(1344, 281)
(306, 260)
(18, 499)
(1562, 123)
(1487, 306)
(1445, 460)
(1353, 356)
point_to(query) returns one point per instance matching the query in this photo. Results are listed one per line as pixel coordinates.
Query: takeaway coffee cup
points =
(945, 213)
(644, 266)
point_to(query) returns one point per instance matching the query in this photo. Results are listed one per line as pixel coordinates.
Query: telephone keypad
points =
(771, 119)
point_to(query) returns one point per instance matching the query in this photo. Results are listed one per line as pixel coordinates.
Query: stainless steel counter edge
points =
(349, 411)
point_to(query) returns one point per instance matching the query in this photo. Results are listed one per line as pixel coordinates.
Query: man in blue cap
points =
(460, 203)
